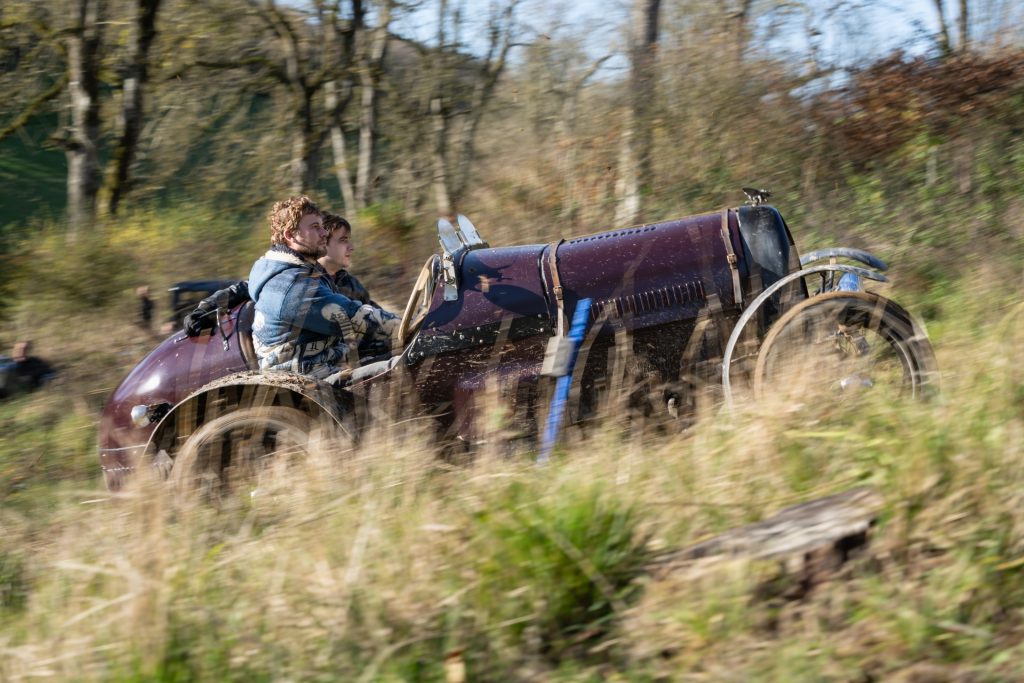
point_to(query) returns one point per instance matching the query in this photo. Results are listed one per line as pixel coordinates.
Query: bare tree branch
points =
(501, 28)
(35, 106)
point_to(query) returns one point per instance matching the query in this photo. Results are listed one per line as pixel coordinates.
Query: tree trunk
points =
(369, 77)
(305, 164)
(808, 542)
(567, 138)
(635, 157)
(627, 185)
(945, 47)
(465, 144)
(367, 137)
(741, 29)
(440, 164)
(83, 140)
(500, 31)
(963, 24)
(297, 166)
(132, 105)
(340, 47)
(335, 105)
(439, 117)
(302, 86)
(565, 129)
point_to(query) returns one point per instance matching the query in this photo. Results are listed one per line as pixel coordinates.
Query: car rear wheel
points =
(841, 344)
(242, 451)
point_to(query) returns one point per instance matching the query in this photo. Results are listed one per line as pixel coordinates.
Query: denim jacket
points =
(302, 323)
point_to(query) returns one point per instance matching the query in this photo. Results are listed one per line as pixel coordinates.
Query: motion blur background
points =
(142, 142)
(159, 132)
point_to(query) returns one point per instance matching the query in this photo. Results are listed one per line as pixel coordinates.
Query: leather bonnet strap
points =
(730, 256)
(556, 286)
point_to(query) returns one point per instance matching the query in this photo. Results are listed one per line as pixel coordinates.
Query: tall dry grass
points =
(394, 565)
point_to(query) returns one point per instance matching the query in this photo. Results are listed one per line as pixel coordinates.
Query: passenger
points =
(302, 323)
(336, 261)
(145, 317)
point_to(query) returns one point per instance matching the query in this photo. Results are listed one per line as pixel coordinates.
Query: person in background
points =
(145, 318)
(23, 371)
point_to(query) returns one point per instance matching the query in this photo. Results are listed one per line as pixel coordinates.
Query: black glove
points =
(204, 316)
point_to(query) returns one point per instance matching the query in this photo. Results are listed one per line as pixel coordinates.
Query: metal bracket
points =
(451, 284)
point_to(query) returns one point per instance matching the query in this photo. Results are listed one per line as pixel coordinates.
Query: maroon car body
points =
(491, 312)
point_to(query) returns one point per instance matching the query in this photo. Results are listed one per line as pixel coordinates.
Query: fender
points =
(251, 388)
(768, 248)
(865, 257)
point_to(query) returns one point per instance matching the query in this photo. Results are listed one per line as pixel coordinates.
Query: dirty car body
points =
(692, 299)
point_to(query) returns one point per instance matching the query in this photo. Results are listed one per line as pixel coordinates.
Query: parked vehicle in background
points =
(185, 295)
(704, 306)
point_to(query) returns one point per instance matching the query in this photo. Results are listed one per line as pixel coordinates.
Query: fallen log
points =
(820, 532)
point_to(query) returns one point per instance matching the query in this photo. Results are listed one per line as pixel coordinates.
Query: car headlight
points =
(144, 415)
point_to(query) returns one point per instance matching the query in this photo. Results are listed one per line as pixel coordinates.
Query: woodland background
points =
(142, 142)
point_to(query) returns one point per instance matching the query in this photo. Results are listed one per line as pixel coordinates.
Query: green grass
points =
(388, 566)
(394, 566)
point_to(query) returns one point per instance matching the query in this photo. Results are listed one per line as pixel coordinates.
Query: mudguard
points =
(251, 388)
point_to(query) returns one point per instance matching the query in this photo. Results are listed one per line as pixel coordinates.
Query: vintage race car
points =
(708, 306)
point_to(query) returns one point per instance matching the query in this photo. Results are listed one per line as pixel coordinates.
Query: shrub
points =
(555, 573)
(14, 585)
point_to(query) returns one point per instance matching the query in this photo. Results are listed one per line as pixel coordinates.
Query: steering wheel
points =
(419, 302)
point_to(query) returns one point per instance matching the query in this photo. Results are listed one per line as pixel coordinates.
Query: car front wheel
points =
(844, 343)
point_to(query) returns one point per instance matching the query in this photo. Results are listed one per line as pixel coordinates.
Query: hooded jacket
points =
(302, 323)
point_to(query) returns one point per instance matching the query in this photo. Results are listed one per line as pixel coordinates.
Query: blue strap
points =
(558, 401)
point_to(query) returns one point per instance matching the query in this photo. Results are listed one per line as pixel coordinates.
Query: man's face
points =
(309, 238)
(340, 248)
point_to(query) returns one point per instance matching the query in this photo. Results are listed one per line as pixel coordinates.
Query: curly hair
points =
(285, 216)
(333, 222)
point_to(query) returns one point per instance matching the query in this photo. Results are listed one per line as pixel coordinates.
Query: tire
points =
(241, 449)
(841, 343)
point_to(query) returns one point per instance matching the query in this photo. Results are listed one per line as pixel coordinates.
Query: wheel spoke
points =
(242, 451)
(842, 344)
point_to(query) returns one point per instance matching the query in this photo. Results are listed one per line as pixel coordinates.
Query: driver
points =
(302, 322)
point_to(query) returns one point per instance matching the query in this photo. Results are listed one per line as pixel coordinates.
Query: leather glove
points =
(203, 317)
(236, 294)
